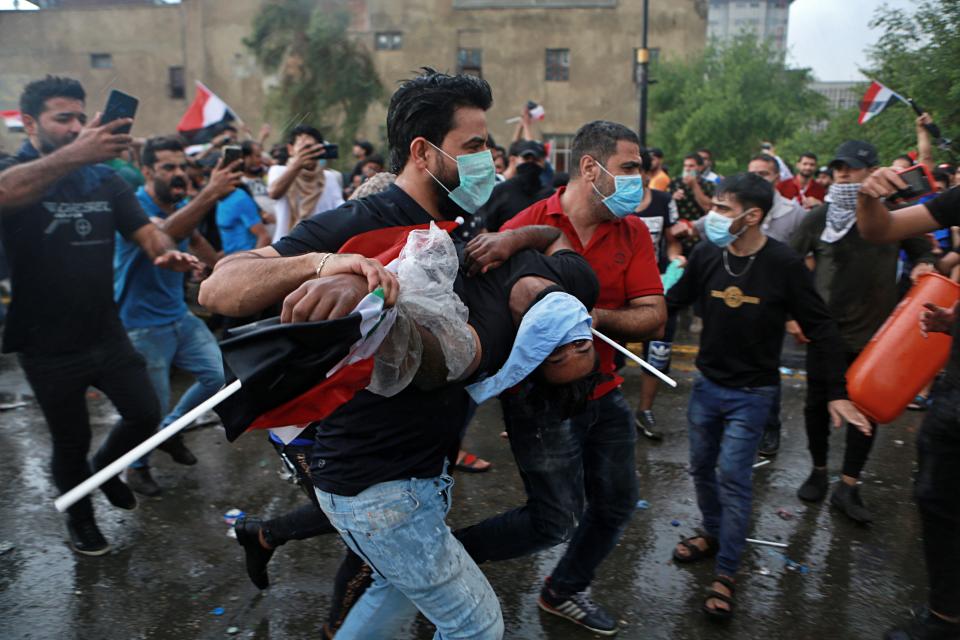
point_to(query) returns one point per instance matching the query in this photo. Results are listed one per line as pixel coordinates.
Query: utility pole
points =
(643, 75)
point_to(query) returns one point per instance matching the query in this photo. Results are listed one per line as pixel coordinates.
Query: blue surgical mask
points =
(627, 194)
(717, 227)
(478, 175)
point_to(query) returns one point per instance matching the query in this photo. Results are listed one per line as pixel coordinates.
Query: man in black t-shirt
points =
(938, 442)
(519, 192)
(60, 211)
(746, 285)
(385, 458)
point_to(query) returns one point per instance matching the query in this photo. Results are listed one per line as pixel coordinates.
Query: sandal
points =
(471, 463)
(695, 553)
(713, 594)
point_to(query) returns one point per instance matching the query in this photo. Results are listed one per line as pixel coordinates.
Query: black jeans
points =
(60, 382)
(817, 419)
(938, 453)
(563, 464)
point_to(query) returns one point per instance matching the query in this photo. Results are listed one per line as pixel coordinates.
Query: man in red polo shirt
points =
(591, 455)
(803, 186)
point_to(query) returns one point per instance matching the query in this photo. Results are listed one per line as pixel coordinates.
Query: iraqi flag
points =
(206, 111)
(876, 99)
(13, 120)
(297, 373)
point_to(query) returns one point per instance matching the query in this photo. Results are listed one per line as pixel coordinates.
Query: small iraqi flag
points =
(13, 120)
(876, 99)
(203, 115)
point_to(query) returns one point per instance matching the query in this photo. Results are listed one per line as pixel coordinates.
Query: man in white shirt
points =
(303, 187)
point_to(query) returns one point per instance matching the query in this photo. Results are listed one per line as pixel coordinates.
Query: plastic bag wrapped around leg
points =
(427, 268)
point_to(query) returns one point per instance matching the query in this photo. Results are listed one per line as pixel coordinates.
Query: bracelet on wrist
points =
(322, 262)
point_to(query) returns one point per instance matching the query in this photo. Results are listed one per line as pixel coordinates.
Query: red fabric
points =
(385, 244)
(193, 118)
(790, 190)
(321, 400)
(621, 254)
(867, 102)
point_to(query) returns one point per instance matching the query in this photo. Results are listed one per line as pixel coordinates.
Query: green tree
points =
(730, 98)
(918, 56)
(325, 78)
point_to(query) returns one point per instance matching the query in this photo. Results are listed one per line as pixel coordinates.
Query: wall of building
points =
(205, 37)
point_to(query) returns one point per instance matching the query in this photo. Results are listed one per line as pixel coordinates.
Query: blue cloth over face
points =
(558, 319)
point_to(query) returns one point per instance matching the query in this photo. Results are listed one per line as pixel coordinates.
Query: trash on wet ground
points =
(793, 565)
(643, 504)
(762, 463)
(767, 543)
(7, 406)
(674, 523)
(231, 516)
(764, 571)
(785, 514)
(233, 630)
(899, 443)
(217, 611)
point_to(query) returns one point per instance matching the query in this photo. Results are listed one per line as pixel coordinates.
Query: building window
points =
(470, 62)
(178, 89)
(101, 61)
(388, 40)
(560, 144)
(558, 65)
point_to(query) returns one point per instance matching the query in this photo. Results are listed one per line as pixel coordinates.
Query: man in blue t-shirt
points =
(240, 224)
(151, 302)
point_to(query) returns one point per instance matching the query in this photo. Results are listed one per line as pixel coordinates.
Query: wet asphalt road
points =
(173, 565)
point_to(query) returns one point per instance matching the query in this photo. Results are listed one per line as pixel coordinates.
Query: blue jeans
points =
(188, 345)
(589, 457)
(398, 529)
(726, 425)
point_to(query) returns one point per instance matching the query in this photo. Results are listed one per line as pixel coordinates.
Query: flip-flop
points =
(472, 464)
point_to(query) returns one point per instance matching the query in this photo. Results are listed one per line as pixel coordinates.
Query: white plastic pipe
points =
(767, 543)
(83, 489)
(640, 361)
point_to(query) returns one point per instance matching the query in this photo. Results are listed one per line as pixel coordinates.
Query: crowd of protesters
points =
(104, 234)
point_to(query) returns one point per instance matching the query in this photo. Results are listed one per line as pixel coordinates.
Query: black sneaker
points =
(815, 487)
(140, 480)
(923, 625)
(847, 498)
(178, 450)
(770, 443)
(86, 539)
(248, 535)
(647, 425)
(578, 608)
(117, 492)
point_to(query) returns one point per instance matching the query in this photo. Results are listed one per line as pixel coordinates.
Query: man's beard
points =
(163, 189)
(449, 209)
(806, 174)
(49, 144)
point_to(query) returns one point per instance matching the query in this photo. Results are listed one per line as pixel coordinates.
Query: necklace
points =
(726, 265)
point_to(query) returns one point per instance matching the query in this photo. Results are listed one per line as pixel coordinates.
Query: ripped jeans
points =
(398, 529)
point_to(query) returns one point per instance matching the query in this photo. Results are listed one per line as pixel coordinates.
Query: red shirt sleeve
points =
(788, 189)
(643, 276)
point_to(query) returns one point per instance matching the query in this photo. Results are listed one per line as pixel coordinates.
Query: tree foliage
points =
(918, 56)
(730, 98)
(325, 78)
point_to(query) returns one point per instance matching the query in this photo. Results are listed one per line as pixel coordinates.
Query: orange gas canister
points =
(898, 361)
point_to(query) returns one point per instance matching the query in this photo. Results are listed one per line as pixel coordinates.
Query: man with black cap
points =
(858, 281)
(519, 192)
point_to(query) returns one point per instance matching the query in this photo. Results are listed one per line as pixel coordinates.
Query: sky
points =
(831, 36)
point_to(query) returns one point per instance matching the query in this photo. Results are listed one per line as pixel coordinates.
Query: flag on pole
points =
(876, 99)
(13, 120)
(300, 372)
(294, 374)
(203, 115)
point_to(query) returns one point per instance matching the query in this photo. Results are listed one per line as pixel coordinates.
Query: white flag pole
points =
(83, 489)
(640, 361)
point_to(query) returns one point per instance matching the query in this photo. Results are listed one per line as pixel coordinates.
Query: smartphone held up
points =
(119, 105)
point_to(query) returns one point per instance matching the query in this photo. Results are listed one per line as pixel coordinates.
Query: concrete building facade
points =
(576, 57)
(768, 19)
